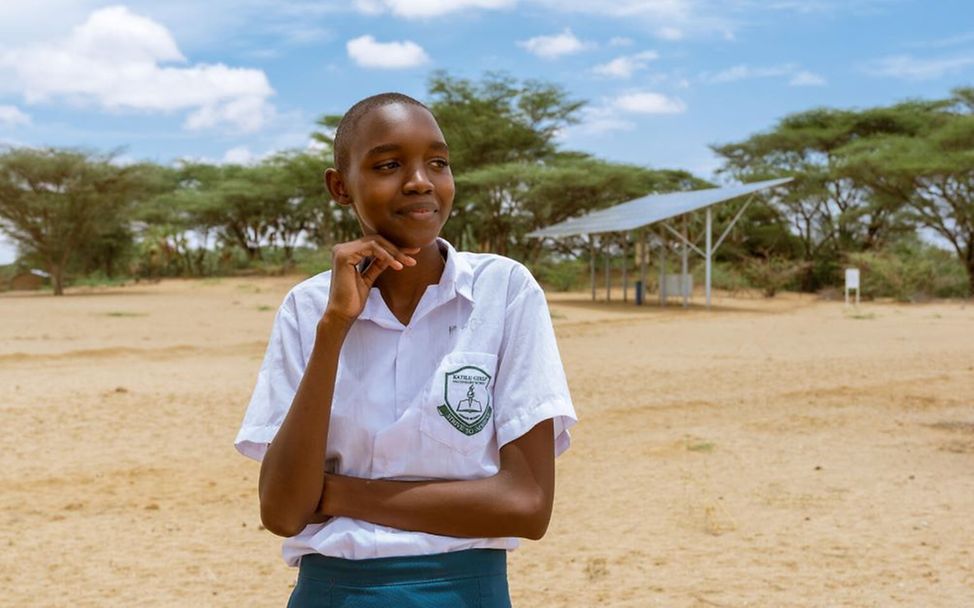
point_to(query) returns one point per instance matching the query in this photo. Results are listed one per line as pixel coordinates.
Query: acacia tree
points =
(273, 203)
(297, 198)
(931, 172)
(237, 201)
(504, 202)
(166, 221)
(499, 119)
(830, 211)
(53, 202)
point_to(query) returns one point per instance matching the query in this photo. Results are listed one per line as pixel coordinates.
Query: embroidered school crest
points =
(467, 406)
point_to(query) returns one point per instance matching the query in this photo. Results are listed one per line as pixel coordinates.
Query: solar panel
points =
(650, 209)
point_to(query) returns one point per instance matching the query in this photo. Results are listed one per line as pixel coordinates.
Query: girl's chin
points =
(412, 241)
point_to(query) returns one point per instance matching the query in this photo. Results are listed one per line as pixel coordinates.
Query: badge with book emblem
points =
(467, 406)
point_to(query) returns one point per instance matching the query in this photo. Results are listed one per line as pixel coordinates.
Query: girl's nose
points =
(418, 182)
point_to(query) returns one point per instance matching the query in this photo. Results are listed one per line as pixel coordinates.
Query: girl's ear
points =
(336, 187)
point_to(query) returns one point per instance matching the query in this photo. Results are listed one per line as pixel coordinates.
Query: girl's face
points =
(398, 176)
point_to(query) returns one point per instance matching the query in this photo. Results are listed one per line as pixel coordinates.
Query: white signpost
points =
(851, 282)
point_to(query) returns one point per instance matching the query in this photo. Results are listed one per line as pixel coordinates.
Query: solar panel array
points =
(650, 209)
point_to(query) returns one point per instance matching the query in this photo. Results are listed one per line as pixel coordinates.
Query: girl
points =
(412, 400)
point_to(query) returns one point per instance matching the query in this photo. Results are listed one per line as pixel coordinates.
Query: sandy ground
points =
(768, 453)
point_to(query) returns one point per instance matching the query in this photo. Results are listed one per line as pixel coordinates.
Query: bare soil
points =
(785, 452)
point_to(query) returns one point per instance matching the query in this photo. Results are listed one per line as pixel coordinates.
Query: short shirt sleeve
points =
(277, 382)
(530, 386)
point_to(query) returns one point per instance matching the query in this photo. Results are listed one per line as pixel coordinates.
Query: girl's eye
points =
(442, 163)
(386, 166)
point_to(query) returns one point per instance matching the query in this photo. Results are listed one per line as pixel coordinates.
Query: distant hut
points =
(28, 280)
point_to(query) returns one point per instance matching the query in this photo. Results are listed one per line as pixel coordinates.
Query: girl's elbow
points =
(534, 515)
(279, 526)
(537, 523)
(536, 529)
(277, 521)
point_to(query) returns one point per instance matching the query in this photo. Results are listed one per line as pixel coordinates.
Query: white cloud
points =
(649, 103)
(554, 46)
(422, 9)
(908, 67)
(209, 25)
(939, 43)
(627, 8)
(666, 19)
(300, 33)
(247, 112)
(626, 65)
(368, 53)
(599, 121)
(679, 19)
(858, 7)
(118, 60)
(620, 41)
(12, 116)
(807, 79)
(797, 77)
(240, 155)
(197, 25)
(670, 33)
(746, 72)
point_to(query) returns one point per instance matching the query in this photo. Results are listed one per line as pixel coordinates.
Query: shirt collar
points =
(457, 274)
(457, 279)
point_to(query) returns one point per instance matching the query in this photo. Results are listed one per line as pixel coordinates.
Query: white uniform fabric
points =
(476, 368)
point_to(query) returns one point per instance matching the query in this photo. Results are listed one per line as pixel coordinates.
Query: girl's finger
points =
(376, 268)
(354, 253)
(400, 254)
(381, 253)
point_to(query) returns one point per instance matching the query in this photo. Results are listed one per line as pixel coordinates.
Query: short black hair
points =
(347, 125)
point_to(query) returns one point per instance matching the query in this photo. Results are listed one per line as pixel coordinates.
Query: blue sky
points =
(232, 81)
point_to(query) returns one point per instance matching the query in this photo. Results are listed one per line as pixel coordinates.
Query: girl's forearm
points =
(292, 472)
(495, 506)
(515, 502)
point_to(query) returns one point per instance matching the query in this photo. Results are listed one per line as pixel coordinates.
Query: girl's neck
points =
(403, 289)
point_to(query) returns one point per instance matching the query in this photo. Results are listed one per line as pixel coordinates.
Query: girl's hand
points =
(350, 287)
(332, 490)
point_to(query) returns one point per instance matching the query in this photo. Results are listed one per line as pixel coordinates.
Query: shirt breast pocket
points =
(458, 407)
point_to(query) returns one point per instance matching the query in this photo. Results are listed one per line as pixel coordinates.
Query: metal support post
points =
(625, 264)
(662, 267)
(644, 234)
(709, 252)
(683, 265)
(591, 261)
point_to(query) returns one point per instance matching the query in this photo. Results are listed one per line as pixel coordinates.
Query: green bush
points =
(98, 279)
(311, 261)
(561, 275)
(773, 274)
(723, 275)
(7, 272)
(910, 271)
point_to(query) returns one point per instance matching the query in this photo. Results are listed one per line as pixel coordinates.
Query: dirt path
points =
(781, 453)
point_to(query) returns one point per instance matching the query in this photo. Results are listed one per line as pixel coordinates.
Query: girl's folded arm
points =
(516, 501)
(292, 469)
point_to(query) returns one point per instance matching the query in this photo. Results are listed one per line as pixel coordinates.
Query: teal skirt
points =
(475, 578)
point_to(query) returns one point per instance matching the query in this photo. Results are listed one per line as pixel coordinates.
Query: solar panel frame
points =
(651, 209)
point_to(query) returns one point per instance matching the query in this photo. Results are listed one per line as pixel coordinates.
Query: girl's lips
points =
(419, 211)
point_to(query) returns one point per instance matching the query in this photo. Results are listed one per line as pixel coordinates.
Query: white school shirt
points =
(476, 367)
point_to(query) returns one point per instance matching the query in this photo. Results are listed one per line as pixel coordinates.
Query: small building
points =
(28, 280)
